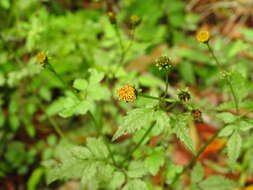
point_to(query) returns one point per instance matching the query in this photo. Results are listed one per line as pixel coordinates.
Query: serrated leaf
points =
(225, 106)
(88, 178)
(234, 146)
(162, 122)
(239, 84)
(217, 182)
(98, 92)
(136, 169)
(95, 76)
(117, 180)
(80, 84)
(97, 148)
(154, 161)
(197, 173)
(135, 120)
(135, 184)
(245, 125)
(182, 131)
(81, 152)
(227, 130)
(226, 117)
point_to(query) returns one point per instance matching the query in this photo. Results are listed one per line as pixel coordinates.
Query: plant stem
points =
(226, 77)
(51, 68)
(53, 123)
(105, 141)
(195, 158)
(157, 98)
(137, 145)
(116, 27)
(166, 85)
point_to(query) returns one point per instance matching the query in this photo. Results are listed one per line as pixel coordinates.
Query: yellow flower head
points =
(41, 57)
(112, 17)
(135, 20)
(203, 36)
(126, 93)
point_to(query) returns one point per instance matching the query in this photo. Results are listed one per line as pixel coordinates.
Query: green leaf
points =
(135, 120)
(187, 72)
(135, 184)
(217, 182)
(237, 47)
(226, 117)
(154, 161)
(245, 124)
(239, 84)
(136, 169)
(162, 122)
(89, 178)
(72, 106)
(80, 84)
(117, 180)
(81, 152)
(35, 178)
(197, 173)
(227, 130)
(97, 148)
(182, 131)
(234, 146)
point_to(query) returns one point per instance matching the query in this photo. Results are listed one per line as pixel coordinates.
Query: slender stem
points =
(128, 47)
(166, 85)
(137, 145)
(116, 27)
(233, 94)
(150, 97)
(53, 123)
(213, 55)
(105, 141)
(51, 68)
(226, 77)
(195, 158)
(157, 98)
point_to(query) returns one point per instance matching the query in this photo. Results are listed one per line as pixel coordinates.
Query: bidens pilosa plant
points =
(126, 95)
(108, 162)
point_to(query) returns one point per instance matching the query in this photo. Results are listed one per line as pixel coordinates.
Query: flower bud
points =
(112, 17)
(163, 62)
(197, 115)
(184, 96)
(135, 21)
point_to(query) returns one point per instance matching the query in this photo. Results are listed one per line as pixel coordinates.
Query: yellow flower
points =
(112, 17)
(203, 36)
(41, 57)
(135, 20)
(126, 93)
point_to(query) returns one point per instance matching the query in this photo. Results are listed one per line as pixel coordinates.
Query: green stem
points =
(53, 123)
(137, 145)
(226, 77)
(166, 85)
(233, 94)
(51, 68)
(195, 158)
(157, 98)
(105, 141)
(116, 27)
